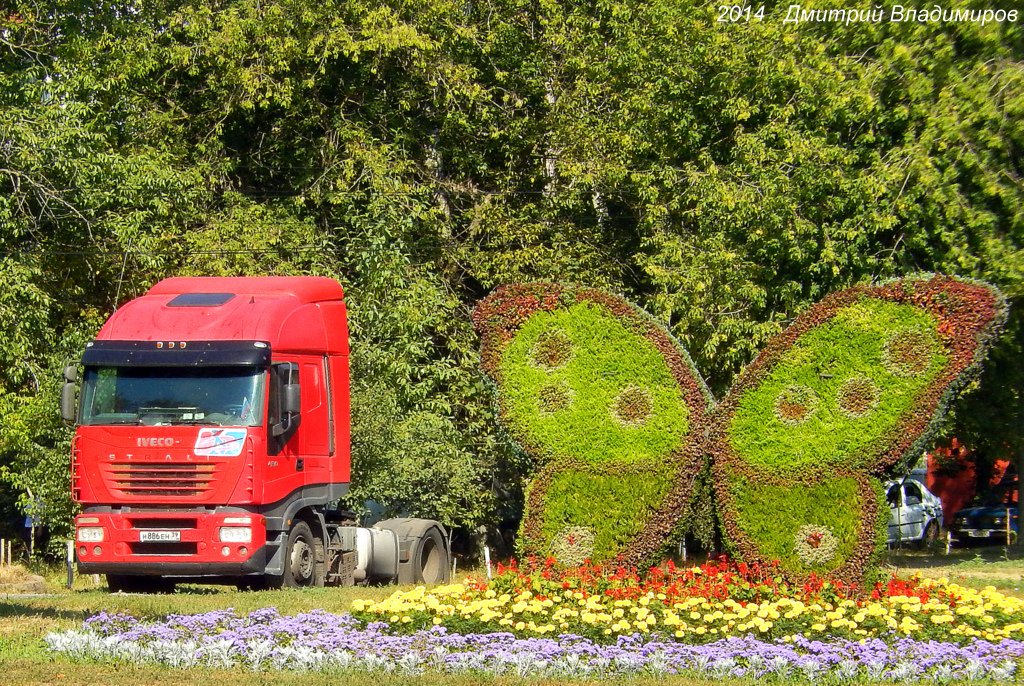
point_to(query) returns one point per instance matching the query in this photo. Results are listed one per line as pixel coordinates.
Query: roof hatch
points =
(200, 299)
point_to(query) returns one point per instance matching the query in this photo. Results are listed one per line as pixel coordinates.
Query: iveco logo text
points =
(155, 442)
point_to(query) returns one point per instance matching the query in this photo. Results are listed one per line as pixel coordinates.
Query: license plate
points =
(159, 536)
(979, 533)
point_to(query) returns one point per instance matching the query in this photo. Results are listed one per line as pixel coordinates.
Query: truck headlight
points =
(235, 534)
(90, 534)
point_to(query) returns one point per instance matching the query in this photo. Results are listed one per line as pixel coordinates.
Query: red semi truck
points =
(212, 444)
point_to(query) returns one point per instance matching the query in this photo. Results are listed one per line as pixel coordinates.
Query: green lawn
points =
(25, 620)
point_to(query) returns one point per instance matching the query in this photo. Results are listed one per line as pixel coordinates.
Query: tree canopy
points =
(722, 175)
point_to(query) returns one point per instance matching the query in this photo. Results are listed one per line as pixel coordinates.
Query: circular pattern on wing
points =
(573, 545)
(554, 396)
(857, 396)
(815, 545)
(633, 406)
(908, 353)
(552, 351)
(795, 404)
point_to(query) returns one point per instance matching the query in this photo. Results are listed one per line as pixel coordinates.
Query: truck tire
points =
(303, 561)
(130, 583)
(431, 564)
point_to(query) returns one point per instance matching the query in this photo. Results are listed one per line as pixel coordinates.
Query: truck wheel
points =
(130, 583)
(303, 562)
(431, 565)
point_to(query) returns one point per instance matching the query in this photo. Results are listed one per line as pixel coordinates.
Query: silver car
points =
(915, 513)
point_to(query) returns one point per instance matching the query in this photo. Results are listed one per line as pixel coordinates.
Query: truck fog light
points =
(225, 551)
(96, 550)
(243, 551)
(235, 534)
(82, 552)
(90, 534)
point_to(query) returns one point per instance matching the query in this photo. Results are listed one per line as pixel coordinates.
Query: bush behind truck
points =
(212, 444)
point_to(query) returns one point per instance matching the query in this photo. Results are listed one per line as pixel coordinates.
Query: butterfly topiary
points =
(620, 422)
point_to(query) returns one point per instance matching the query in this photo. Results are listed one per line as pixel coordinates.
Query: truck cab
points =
(212, 442)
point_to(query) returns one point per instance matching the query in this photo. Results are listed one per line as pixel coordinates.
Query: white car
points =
(915, 513)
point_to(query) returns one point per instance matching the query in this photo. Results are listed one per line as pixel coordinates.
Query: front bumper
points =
(964, 534)
(170, 543)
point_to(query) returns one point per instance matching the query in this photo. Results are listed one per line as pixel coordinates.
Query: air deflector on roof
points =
(200, 299)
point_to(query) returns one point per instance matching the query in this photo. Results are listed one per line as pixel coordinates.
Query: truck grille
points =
(171, 479)
(166, 549)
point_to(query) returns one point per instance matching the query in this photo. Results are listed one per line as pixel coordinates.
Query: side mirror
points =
(287, 396)
(69, 395)
(291, 402)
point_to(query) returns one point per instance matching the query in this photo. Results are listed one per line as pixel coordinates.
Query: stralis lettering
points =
(796, 14)
(155, 442)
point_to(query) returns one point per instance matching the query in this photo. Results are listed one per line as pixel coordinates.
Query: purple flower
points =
(320, 641)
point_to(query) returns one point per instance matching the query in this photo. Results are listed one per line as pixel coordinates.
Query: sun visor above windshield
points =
(177, 353)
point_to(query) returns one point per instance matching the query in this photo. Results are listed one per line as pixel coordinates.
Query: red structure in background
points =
(953, 478)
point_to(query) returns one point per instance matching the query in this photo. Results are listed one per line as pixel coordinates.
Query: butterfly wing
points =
(852, 388)
(610, 408)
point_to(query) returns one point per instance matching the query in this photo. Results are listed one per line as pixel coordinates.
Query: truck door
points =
(314, 433)
(302, 458)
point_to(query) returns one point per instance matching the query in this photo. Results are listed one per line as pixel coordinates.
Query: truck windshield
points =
(221, 396)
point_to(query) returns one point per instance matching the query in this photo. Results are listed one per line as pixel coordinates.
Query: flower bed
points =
(318, 641)
(702, 604)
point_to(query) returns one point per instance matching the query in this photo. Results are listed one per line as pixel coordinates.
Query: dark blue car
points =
(989, 519)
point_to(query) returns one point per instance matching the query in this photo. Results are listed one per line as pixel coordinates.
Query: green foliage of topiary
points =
(608, 361)
(828, 364)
